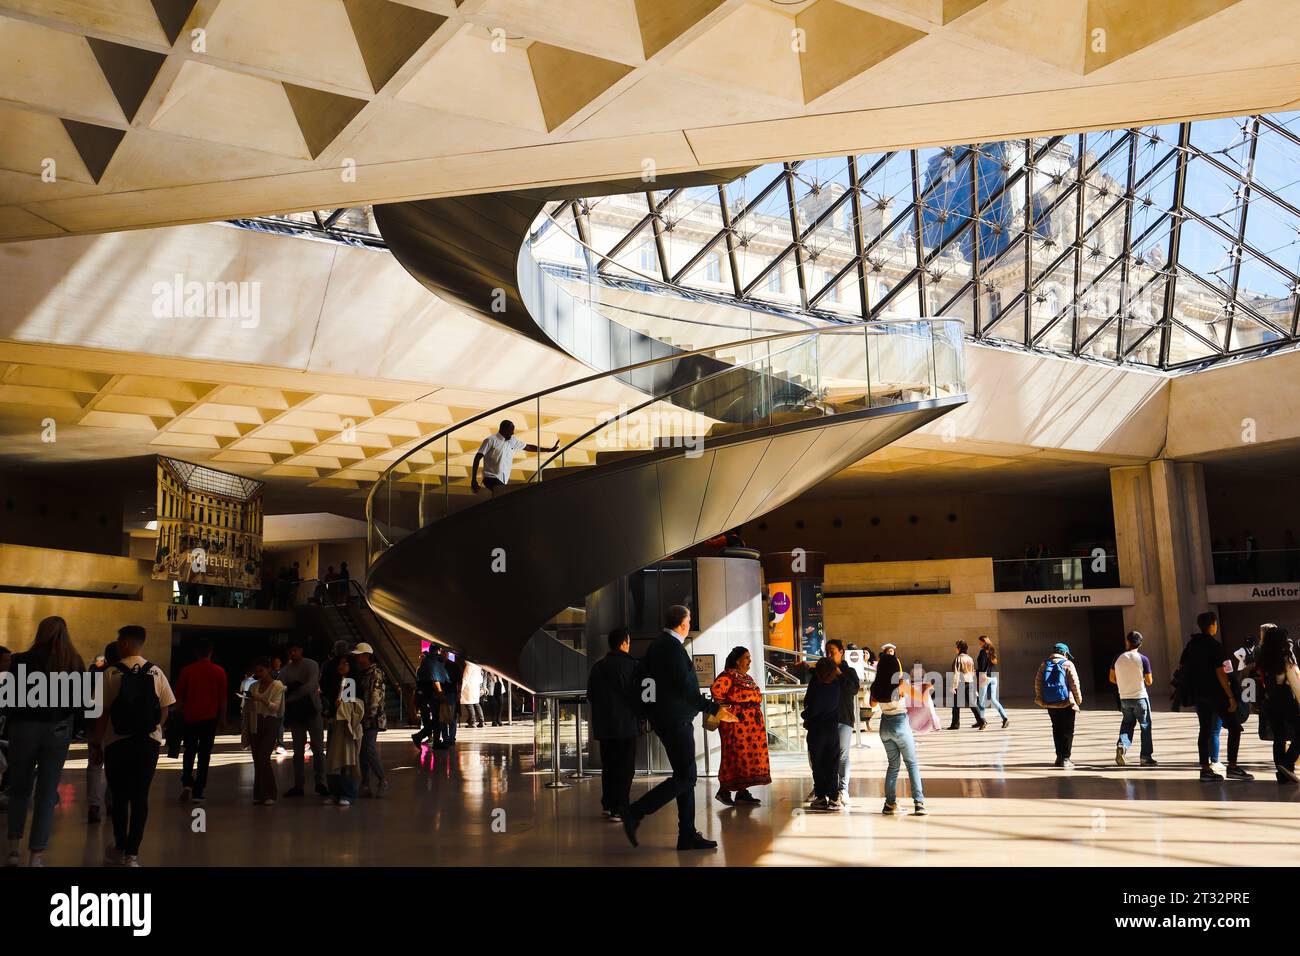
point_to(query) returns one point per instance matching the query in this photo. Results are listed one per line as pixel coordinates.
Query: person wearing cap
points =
(1057, 689)
(372, 691)
(1131, 675)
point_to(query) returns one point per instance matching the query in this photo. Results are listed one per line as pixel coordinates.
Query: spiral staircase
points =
(699, 415)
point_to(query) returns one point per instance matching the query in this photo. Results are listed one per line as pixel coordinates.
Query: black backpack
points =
(136, 711)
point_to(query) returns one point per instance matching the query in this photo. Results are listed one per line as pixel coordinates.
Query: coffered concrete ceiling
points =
(121, 114)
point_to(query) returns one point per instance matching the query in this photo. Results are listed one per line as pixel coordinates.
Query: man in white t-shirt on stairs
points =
(497, 455)
(1131, 673)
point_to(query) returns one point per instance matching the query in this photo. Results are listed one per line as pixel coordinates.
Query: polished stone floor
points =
(993, 796)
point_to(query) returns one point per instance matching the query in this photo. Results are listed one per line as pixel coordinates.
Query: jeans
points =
(1062, 730)
(1210, 716)
(989, 695)
(845, 742)
(679, 743)
(1136, 712)
(37, 750)
(965, 695)
(342, 786)
(824, 754)
(617, 767)
(370, 762)
(129, 765)
(198, 739)
(301, 732)
(900, 748)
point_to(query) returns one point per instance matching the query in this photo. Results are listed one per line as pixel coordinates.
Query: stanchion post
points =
(556, 783)
(578, 774)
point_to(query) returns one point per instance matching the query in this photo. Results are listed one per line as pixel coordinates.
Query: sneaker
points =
(344, 803)
(294, 792)
(615, 818)
(1287, 774)
(1237, 773)
(1005, 721)
(919, 810)
(812, 795)
(130, 860)
(186, 793)
(113, 856)
(834, 805)
(268, 803)
(982, 725)
(819, 804)
(1119, 755)
(1210, 776)
(37, 858)
(1149, 762)
(13, 859)
(890, 809)
(724, 797)
(1065, 763)
(843, 799)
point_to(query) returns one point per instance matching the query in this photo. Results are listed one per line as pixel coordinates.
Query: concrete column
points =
(1163, 543)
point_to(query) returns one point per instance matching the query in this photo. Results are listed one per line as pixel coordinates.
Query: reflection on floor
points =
(994, 800)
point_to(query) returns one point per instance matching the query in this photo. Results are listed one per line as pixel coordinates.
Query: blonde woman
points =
(38, 740)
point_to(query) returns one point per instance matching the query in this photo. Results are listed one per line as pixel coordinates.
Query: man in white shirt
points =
(127, 737)
(1131, 674)
(497, 455)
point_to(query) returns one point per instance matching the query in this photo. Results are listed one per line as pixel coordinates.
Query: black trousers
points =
(198, 739)
(679, 742)
(1062, 730)
(617, 766)
(965, 695)
(129, 765)
(824, 755)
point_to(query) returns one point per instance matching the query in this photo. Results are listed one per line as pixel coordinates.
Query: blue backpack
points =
(1055, 689)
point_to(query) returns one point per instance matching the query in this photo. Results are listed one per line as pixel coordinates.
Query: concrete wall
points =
(879, 528)
(924, 626)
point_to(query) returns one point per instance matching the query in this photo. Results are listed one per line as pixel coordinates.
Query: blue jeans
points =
(846, 741)
(37, 750)
(1136, 712)
(900, 747)
(989, 694)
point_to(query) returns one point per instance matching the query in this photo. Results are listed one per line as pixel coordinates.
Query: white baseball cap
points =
(363, 648)
(889, 647)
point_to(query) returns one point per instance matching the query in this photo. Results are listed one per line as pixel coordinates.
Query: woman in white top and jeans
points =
(892, 692)
(263, 718)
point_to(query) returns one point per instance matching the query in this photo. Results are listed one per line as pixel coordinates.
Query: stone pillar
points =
(1162, 540)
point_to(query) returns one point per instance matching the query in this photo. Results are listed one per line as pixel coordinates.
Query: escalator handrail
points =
(354, 586)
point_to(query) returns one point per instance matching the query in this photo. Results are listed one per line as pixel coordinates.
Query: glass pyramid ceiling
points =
(1168, 246)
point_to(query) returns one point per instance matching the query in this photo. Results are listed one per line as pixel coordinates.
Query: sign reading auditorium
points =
(1038, 600)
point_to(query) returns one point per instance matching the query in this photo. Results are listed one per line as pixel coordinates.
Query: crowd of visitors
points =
(336, 710)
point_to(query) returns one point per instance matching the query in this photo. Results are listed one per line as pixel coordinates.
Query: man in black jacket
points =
(612, 693)
(1205, 667)
(671, 693)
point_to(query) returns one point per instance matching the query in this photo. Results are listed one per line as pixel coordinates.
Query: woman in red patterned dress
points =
(744, 743)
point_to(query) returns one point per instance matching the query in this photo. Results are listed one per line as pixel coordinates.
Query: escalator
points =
(655, 454)
(327, 615)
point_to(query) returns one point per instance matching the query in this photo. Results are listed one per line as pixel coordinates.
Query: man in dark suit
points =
(671, 694)
(615, 721)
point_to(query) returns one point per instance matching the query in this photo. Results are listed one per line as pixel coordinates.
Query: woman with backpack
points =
(1057, 688)
(39, 739)
(262, 720)
(1279, 684)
